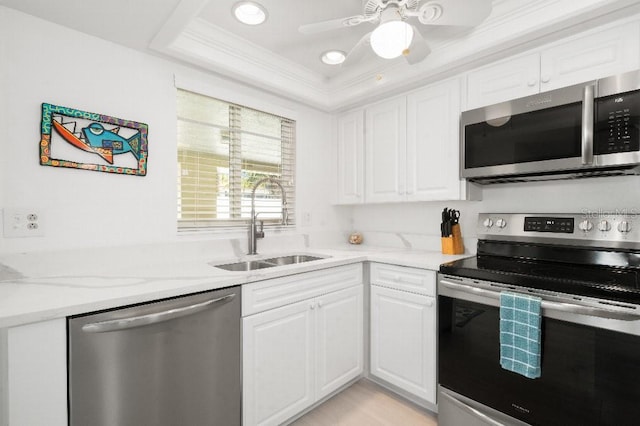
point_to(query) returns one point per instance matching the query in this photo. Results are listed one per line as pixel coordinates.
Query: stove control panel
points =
(590, 229)
(549, 224)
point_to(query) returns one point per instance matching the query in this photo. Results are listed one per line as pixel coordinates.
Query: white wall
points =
(576, 196)
(42, 62)
(594, 195)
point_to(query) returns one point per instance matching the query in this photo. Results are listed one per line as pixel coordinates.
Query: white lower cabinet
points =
(33, 374)
(339, 338)
(296, 354)
(277, 363)
(403, 340)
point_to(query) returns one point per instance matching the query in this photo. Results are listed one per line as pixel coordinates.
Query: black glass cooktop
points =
(599, 273)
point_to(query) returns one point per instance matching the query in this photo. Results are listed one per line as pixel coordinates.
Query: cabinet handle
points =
(546, 78)
(312, 305)
(319, 303)
(532, 82)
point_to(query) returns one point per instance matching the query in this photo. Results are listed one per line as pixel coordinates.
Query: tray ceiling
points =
(276, 57)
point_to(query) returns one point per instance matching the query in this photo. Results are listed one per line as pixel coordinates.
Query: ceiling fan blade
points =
(417, 50)
(358, 51)
(332, 24)
(467, 13)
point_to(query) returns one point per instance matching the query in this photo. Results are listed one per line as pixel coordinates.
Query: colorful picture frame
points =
(88, 141)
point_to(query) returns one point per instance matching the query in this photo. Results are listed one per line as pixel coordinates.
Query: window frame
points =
(287, 171)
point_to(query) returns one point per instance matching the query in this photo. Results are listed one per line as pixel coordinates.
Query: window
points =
(223, 150)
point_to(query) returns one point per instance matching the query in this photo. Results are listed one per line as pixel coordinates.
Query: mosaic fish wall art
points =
(89, 141)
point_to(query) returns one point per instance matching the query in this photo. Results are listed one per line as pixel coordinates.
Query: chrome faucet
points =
(254, 233)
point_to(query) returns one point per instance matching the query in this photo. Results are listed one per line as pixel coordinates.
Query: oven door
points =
(590, 365)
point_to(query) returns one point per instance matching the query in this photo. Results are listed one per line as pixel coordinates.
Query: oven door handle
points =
(572, 308)
(469, 409)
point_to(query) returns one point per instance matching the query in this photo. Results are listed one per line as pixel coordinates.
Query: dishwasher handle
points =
(154, 318)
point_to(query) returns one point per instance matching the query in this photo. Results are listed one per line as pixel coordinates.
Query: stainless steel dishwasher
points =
(172, 362)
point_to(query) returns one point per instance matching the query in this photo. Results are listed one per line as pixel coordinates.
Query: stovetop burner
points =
(581, 260)
(593, 281)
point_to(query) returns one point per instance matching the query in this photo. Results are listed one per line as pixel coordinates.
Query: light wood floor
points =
(367, 404)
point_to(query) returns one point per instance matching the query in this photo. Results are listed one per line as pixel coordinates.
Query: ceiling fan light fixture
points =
(333, 57)
(249, 12)
(391, 38)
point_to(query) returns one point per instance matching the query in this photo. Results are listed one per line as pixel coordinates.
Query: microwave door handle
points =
(588, 113)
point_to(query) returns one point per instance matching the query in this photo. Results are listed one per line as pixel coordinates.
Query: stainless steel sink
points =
(245, 266)
(251, 265)
(289, 260)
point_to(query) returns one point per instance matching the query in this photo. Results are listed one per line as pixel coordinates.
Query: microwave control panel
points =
(617, 122)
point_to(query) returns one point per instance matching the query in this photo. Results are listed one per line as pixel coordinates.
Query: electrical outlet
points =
(19, 223)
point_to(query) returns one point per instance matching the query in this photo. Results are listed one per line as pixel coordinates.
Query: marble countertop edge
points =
(29, 296)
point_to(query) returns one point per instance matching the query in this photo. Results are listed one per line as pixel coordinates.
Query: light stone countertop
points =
(42, 286)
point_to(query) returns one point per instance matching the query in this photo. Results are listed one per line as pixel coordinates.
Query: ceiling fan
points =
(394, 36)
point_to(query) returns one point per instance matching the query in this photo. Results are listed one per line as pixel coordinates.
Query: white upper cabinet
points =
(502, 81)
(385, 148)
(432, 171)
(590, 57)
(411, 148)
(576, 60)
(351, 158)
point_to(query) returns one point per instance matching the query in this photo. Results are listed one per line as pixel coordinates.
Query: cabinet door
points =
(590, 57)
(33, 388)
(339, 333)
(432, 143)
(278, 357)
(351, 158)
(510, 79)
(385, 144)
(403, 340)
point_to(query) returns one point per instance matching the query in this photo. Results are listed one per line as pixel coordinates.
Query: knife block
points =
(453, 244)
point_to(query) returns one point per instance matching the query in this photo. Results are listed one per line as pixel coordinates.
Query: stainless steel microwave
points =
(590, 129)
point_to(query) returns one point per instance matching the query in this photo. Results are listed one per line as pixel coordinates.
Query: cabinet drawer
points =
(420, 281)
(263, 295)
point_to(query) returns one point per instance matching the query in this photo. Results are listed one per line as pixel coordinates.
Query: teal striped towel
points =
(520, 334)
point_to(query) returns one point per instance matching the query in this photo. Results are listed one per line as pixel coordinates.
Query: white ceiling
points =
(276, 57)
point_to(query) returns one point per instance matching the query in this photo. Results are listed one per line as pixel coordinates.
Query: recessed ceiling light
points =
(249, 13)
(333, 57)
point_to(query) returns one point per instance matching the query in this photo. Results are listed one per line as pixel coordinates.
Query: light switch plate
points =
(22, 222)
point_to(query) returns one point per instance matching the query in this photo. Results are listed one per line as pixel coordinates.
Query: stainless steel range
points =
(584, 269)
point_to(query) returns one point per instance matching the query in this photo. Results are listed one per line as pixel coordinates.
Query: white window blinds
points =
(223, 150)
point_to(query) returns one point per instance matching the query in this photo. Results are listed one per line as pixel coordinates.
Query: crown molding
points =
(512, 28)
(223, 52)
